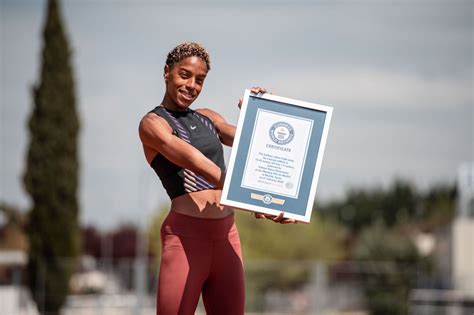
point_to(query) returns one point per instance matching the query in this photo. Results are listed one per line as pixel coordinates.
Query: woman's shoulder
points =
(212, 115)
(154, 121)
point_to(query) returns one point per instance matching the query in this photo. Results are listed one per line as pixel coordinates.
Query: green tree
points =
(277, 256)
(51, 177)
(266, 240)
(363, 207)
(438, 207)
(395, 263)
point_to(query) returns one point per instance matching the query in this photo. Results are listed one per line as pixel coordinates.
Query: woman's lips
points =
(186, 95)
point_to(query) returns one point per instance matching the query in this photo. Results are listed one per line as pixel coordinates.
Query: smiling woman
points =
(184, 80)
(200, 243)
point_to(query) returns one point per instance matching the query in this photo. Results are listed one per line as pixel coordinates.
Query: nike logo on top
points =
(192, 127)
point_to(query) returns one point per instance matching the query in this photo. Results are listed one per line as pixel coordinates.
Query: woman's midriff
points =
(201, 204)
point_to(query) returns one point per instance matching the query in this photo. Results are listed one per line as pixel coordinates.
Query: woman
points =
(200, 243)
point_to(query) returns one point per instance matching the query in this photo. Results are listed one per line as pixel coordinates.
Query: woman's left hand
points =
(277, 219)
(255, 90)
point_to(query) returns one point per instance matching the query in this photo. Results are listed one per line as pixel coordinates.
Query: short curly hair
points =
(188, 49)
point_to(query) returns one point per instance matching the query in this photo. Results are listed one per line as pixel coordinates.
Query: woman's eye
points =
(200, 80)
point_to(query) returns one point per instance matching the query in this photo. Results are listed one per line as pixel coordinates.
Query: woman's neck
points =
(169, 104)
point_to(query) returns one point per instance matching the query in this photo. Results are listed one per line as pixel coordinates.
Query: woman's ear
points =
(166, 72)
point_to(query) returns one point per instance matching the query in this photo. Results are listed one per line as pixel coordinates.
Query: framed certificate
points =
(276, 156)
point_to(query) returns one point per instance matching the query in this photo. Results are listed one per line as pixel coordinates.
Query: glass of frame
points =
(276, 156)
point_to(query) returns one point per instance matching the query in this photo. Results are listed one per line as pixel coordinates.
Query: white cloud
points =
(375, 89)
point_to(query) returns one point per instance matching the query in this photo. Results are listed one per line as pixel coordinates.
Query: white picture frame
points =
(276, 156)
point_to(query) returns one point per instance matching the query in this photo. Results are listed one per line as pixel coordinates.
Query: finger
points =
(259, 215)
(279, 218)
(240, 103)
(288, 221)
(258, 89)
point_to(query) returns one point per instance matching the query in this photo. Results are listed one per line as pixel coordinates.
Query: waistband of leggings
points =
(185, 225)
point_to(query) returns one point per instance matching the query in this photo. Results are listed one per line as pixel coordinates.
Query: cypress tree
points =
(51, 176)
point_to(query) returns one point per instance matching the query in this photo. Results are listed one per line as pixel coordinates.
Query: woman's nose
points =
(191, 83)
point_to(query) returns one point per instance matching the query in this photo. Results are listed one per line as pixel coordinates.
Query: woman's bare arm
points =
(156, 136)
(225, 130)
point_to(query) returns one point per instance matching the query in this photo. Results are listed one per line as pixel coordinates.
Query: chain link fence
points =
(128, 286)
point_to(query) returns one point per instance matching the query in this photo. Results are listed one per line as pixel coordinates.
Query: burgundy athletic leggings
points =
(200, 255)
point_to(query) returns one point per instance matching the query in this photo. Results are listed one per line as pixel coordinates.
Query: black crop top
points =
(197, 130)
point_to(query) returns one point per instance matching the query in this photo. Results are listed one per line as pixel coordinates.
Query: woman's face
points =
(184, 82)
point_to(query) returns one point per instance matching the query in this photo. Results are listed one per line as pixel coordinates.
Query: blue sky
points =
(399, 75)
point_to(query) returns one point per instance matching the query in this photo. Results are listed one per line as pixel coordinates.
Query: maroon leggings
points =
(200, 255)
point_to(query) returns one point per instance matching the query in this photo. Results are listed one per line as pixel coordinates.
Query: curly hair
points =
(188, 49)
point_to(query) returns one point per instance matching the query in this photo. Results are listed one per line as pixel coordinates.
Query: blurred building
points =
(463, 231)
(14, 297)
(455, 295)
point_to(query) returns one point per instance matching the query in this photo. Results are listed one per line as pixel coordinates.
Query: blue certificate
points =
(276, 157)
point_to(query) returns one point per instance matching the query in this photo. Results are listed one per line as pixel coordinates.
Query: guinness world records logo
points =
(282, 133)
(267, 199)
